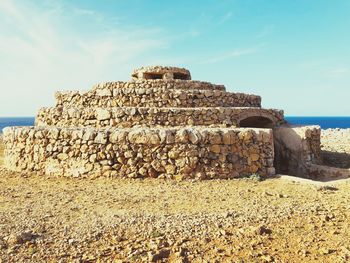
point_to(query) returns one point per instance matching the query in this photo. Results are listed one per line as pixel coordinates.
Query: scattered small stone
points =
(20, 238)
(327, 188)
(267, 258)
(304, 253)
(159, 255)
(325, 251)
(263, 230)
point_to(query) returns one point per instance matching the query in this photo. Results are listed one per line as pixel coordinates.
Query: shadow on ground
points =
(336, 159)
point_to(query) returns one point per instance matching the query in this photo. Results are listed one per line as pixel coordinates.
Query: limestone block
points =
(103, 93)
(102, 114)
(181, 136)
(101, 138)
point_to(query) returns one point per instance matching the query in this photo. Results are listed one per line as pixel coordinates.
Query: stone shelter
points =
(161, 124)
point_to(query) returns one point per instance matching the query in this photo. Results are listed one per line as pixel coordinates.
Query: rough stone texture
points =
(202, 153)
(132, 116)
(155, 97)
(177, 84)
(298, 151)
(160, 124)
(323, 172)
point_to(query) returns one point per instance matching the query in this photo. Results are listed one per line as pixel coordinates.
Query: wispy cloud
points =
(53, 46)
(339, 72)
(83, 11)
(230, 55)
(49, 34)
(267, 30)
(227, 16)
(324, 68)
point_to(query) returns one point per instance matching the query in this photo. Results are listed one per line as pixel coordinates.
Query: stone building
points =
(160, 124)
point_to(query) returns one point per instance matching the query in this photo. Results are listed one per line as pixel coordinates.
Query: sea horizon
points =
(325, 122)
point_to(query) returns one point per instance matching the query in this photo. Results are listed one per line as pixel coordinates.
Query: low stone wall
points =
(205, 153)
(155, 97)
(336, 147)
(296, 149)
(327, 173)
(150, 117)
(160, 83)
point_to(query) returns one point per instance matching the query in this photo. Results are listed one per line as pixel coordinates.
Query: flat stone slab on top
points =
(160, 72)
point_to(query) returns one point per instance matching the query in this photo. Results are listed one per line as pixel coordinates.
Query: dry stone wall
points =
(157, 83)
(155, 97)
(160, 124)
(131, 116)
(336, 147)
(203, 153)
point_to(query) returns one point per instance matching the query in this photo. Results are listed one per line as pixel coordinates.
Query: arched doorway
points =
(256, 122)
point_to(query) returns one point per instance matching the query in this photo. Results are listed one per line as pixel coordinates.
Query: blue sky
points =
(295, 54)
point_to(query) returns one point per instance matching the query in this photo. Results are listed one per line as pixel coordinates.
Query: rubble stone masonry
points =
(205, 153)
(160, 124)
(156, 97)
(132, 116)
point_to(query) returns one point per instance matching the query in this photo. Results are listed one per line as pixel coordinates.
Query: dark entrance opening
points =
(181, 76)
(152, 76)
(256, 122)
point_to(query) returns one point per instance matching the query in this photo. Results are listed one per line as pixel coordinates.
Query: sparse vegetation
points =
(256, 177)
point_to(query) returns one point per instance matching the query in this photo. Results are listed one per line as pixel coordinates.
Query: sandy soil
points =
(245, 220)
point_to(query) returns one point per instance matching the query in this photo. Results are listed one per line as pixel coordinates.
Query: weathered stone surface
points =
(160, 124)
(102, 114)
(150, 117)
(159, 97)
(101, 138)
(140, 152)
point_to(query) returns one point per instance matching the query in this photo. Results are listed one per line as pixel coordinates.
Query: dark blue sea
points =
(324, 122)
(17, 121)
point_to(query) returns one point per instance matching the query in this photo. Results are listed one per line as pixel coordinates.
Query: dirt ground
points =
(105, 220)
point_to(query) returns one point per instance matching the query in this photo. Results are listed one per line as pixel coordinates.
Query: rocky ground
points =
(242, 220)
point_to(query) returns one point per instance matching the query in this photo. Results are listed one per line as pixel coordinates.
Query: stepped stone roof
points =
(160, 124)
